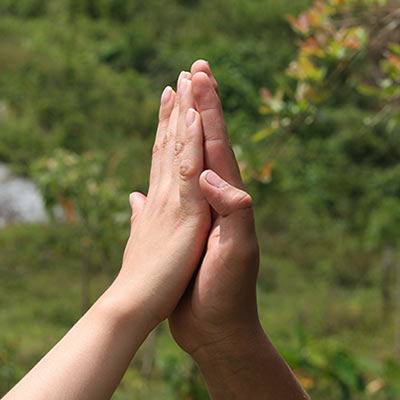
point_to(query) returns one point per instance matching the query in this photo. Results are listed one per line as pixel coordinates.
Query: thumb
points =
(224, 198)
(137, 201)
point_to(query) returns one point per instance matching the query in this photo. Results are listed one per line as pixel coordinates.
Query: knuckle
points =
(249, 252)
(178, 101)
(192, 135)
(163, 115)
(156, 149)
(169, 134)
(164, 202)
(243, 199)
(134, 218)
(187, 170)
(179, 145)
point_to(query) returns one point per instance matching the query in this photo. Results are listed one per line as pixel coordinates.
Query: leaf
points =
(262, 134)
(367, 90)
(311, 47)
(304, 69)
(265, 110)
(395, 48)
(267, 172)
(300, 24)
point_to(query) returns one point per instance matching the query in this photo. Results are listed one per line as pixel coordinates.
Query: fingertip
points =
(201, 76)
(202, 82)
(166, 96)
(208, 178)
(132, 197)
(201, 65)
(183, 75)
(202, 178)
(136, 197)
(167, 103)
(214, 180)
(204, 66)
(182, 86)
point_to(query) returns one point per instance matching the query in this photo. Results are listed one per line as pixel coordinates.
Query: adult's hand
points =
(170, 227)
(217, 320)
(222, 301)
(168, 235)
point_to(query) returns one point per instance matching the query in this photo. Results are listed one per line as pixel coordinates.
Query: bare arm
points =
(168, 233)
(247, 368)
(89, 362)
(217, 320)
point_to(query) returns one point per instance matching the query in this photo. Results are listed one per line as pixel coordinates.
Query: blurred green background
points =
(80, 82)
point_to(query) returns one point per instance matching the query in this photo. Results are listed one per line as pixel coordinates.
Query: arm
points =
(247, 367)
(217, 321)
(89, 362)
(238, 359)
(167, 238)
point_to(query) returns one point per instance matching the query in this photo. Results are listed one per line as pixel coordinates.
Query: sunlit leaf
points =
(257, 137)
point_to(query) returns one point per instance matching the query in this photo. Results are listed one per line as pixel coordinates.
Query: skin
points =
(216, 321)
(192, 256)
(167, 238)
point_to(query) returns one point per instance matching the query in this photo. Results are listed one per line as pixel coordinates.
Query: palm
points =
(196, 307)
(208, 307)
(222, 296)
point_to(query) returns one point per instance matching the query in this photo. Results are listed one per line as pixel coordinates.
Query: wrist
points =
(127, 307)
(232, 346)
(247, 366)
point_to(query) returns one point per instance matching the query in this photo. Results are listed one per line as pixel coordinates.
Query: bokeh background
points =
(312, 99)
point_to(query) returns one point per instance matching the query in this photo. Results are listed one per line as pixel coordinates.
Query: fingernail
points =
(214, 180)
(182, 86)
(166, 96)
(181, 76)
(209, 68)
(190, 117)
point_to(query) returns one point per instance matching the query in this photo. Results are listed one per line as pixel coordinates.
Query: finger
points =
(235, 228)
(186, 101)
(137, 202)
(169, 138)
(183, 75)
(218, 150)
(191, 164)
(224, 198)
(166, 107)
(204, 66)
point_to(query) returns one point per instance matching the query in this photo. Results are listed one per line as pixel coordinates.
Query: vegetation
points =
(311, 94)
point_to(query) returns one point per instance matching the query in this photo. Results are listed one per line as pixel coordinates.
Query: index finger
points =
(217, 147)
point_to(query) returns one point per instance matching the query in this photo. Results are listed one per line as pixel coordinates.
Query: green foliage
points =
(79, 91)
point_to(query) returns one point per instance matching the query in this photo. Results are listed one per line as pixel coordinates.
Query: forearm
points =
(247, 368)
(91, 359)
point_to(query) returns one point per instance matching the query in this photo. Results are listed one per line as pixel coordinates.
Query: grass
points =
(40, 301)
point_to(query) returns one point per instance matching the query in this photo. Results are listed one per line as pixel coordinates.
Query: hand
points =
(170, 227)
(221, 305)
(217, 320)
(168, 234)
